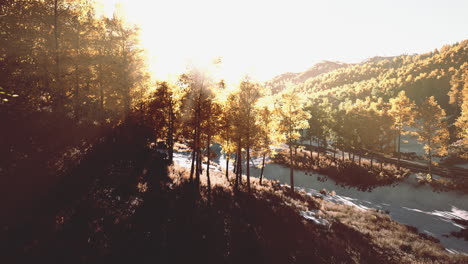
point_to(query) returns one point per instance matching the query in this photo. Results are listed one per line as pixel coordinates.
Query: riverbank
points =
(362, 174)
(366, 235)
(365, 175)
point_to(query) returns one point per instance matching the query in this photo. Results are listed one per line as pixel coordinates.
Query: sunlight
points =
(267, 38)
(299, 124)
(243, 34)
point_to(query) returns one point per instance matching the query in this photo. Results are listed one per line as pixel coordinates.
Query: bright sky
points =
(266, 38)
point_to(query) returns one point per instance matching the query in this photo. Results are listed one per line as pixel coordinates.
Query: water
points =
(407, 202)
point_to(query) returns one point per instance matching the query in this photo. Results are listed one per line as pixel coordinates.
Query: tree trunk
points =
(238, 162)
(171, 132)
(234, 165)
(208, 163)
(359, 159)
(342, 155)
(311, 149)
(197, 168)
(198, 140)
(291, 169)
(263, 166)
(430, 160)
(227, 166)
(248, 167)
(295, 155)
(240, 167)
(318, 152)
(192, 167)
(398, 152)
(194, 152)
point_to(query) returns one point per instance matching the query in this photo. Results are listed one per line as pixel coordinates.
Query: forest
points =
(90, 140)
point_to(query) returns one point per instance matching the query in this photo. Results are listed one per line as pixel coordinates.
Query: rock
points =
(312, 216)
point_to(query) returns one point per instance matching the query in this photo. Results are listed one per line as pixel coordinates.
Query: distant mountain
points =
(279, 82)
(320, 68)
(439, 73)
(377, 59)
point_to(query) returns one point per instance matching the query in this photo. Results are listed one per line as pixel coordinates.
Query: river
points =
(406, 202)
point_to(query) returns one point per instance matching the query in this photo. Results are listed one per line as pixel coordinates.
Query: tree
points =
(239, 128)
(289, 109)
(458, 82)
(367, 128)
(385, 123)
(401, 109)
(268, 125)
(196, 81)
(164, 108)
(236, 132)
(352, 121)
(432, 129)
(318, 124)
(130, 67)
(336, 124)
(459, 97)
(249, 93)
(462, 122)
(201, 115)
(225, 137)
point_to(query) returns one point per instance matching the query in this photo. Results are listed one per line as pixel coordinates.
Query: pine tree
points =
(432, 129)
(462, 122)
(268, 125)
(401, 109)
(249, 93)
(289, 108)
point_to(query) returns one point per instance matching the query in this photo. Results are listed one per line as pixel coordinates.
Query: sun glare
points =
(267, 38)
(176, 33)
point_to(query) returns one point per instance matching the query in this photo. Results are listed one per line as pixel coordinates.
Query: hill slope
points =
(436, 73)
(279, 82)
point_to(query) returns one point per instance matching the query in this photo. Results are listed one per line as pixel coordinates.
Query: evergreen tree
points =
(290, 110)
(402, 111)
(432, 129)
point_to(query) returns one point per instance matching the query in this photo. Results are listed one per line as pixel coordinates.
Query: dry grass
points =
(138, 210)
(459, 184)
(395, 242)
(347, 173)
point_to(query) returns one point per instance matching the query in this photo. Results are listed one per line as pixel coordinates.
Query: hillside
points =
(279, 82)
(135, 209)
(420, 76)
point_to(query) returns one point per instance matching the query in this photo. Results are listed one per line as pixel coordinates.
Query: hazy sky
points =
(266, 38)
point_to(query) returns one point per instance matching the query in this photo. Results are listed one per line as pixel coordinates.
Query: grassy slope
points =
(137, 212)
